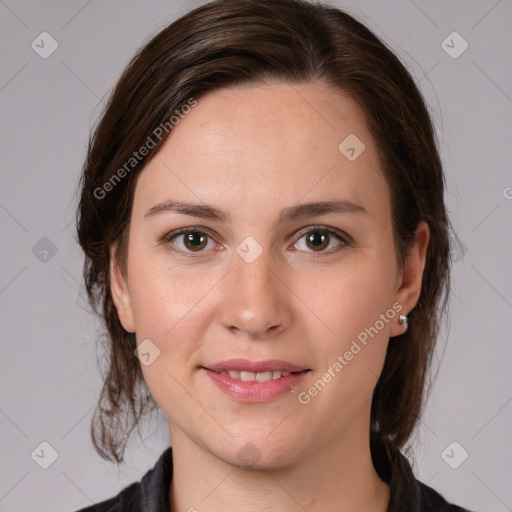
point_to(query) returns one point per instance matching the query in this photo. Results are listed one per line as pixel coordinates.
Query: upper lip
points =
(245, 365)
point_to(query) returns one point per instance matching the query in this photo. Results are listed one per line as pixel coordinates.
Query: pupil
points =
(318, 239)
(196, 240)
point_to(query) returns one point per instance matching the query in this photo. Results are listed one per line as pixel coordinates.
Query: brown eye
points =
(320, 239)
(195, 241)
(191, 240)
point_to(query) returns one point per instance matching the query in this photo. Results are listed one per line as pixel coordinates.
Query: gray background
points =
(49, 377)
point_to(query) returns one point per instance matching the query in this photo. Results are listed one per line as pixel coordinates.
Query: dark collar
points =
(155, 484)
(406, 493)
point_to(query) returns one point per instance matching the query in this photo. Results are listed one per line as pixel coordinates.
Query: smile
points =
(244, 376)
(251, 381)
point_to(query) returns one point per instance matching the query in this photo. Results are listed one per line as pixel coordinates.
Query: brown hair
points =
(233, 42)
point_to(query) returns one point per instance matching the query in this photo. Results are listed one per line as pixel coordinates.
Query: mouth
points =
(247, 366)
(250, 381)
(244, 376)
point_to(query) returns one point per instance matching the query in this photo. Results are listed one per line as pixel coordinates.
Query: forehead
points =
(273, 143)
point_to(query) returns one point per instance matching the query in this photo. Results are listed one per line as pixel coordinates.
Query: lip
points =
(254, 391)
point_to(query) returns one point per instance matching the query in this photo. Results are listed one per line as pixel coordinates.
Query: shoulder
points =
(432, 501)
(150, 494)
(408, 494)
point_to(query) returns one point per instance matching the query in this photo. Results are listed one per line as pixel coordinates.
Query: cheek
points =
(348, 298)
(164, 296)
(172, 305)
(169, 305)
(356, 313)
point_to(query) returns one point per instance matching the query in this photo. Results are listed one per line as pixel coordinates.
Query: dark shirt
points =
(151, 494)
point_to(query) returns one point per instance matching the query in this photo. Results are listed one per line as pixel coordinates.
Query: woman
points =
(266, 239)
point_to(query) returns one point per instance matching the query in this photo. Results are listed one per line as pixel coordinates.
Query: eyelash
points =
(168, 238)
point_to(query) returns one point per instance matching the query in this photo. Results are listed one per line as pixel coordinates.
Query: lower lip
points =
(255, 391)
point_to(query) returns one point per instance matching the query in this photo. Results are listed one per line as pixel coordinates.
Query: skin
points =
(253, 151)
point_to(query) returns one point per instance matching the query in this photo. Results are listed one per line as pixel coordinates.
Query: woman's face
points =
(266, 282)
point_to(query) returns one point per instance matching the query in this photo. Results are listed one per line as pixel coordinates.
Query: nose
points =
(255, 299)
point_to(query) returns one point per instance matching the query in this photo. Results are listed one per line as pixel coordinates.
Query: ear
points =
(410, 278)
(120, 293)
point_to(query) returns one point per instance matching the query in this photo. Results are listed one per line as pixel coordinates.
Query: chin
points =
(257, 452)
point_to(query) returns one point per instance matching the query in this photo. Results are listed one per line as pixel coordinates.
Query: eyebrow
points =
(288, 214)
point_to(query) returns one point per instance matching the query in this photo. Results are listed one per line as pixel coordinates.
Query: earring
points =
(403, 320)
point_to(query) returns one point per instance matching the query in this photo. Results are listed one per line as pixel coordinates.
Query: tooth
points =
(251, 376)
(247, 376)
(264, 376)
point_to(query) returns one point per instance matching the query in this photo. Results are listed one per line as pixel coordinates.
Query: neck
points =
(340, 478)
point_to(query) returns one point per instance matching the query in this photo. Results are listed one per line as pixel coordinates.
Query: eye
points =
(192, 240)
(197, 240)
(320, 239)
